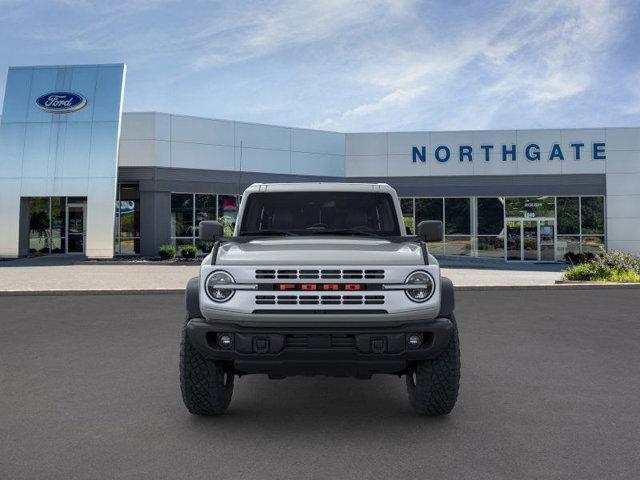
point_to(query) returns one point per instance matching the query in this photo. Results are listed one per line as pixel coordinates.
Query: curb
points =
(553, 286)
(559, 285)
(156, 291)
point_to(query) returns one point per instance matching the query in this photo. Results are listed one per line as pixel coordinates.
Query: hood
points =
(320, 251)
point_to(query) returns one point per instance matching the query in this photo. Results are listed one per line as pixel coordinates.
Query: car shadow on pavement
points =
(318, 402)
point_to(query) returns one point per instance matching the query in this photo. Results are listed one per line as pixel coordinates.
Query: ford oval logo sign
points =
(61, 102)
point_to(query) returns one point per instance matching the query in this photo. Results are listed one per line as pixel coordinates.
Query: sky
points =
(351, 65)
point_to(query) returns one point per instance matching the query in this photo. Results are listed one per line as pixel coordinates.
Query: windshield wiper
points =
(285, 233)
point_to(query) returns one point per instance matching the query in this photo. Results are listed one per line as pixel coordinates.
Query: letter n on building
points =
(419, 153)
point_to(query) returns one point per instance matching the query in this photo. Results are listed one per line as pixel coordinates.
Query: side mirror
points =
(430, 230)
(210, 230)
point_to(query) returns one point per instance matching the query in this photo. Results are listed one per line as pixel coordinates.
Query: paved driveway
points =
(550, 388)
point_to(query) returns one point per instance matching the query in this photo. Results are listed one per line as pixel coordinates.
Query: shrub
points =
(617, 260)
(607, 267)
(583, 271)
(188, 251)
(624, 277)
(167, 252)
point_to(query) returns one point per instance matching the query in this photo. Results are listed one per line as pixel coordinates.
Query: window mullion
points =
(193, 220)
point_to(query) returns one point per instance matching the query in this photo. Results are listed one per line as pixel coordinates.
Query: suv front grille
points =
(329, 274)
(346, 299)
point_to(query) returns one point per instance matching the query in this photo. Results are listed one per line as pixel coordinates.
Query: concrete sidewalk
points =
(69, 275)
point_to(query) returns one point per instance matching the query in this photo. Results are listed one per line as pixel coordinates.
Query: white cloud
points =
(551, 56)
(349, 64)
(283, 25)
(537, 54)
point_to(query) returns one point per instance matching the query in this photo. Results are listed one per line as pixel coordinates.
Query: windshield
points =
(318, 213)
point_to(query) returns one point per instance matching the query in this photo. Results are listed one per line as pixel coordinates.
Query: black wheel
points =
(207, 385)
(433, 385)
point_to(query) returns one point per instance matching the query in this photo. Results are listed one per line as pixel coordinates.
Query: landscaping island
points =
(616, 266)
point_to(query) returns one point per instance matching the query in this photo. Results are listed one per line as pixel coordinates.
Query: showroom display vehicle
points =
(319, 279)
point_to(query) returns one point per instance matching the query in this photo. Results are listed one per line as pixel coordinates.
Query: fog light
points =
(225, 340)
(415, 340)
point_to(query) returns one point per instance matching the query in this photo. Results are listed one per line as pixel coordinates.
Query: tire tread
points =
(202, 381)
(436, 390)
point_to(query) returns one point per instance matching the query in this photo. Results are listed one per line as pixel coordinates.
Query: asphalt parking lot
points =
(550, 389)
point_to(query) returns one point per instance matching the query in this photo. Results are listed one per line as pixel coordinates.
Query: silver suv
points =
(319, 279)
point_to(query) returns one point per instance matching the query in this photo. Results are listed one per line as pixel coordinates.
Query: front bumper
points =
(353, 351)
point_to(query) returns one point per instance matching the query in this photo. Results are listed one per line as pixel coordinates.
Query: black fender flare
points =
(192, 298)
(447, 298)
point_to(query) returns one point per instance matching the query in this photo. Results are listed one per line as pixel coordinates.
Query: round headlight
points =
(424, 286)
(215, 291)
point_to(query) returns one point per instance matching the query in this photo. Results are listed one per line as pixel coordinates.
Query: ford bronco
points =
(319, 279)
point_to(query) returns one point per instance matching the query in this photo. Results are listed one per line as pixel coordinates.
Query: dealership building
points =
(80, 176)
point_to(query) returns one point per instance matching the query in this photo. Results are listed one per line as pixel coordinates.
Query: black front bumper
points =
(356, 351)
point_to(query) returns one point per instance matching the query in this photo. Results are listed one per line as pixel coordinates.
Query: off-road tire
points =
(433, 385)
(206, 385)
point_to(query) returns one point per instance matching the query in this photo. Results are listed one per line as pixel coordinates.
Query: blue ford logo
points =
(61, 102)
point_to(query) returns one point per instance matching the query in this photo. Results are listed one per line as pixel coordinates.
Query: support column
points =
(155, 221)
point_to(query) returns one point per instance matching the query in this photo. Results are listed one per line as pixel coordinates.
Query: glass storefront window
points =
(593, 244)
(530, 207)
(567, 244)
(579, 223)
(490, 216)
(436, 248)
(129, 246)
(189, 209)
(228, 212)
(181, 242)
(568, 216)
(48, 229)
(39, 225)
(457, 216)
(429, 209)
(407, 214)
(457, 245)
(592, 214)
(58, 216)
(182, 215)
(490, 246)
(205, 210)
(127, 226)
(129, 211)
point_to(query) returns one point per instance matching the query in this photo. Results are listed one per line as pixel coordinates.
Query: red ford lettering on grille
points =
(326, 287)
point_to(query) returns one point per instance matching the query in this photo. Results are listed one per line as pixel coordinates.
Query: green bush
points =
(583, 271)
(167, 252)
(617, 260)
(188, 251)
(607, 267)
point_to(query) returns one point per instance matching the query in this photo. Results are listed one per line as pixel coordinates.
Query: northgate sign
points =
(531, 152)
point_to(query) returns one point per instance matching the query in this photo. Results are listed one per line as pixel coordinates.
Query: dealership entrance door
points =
(76, 220)
(530, 239)
(55, 225)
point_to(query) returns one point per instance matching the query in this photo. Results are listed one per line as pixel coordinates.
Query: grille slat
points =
(265, 274)
(328, 274)
(265, 299)
(319, 299)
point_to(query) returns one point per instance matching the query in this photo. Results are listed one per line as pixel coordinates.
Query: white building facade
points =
(518, 195)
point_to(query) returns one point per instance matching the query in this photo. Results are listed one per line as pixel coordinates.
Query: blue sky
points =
(370, 65)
